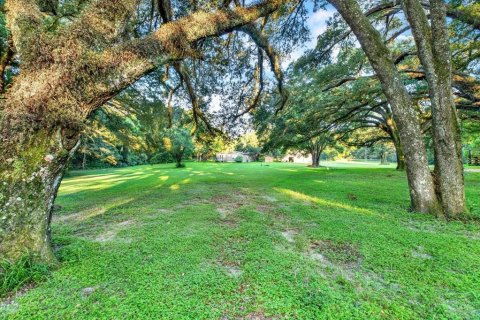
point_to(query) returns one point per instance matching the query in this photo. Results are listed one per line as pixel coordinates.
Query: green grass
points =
(245, 241)
(25, 272)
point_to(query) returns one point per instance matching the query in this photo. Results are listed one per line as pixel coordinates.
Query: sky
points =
(317, 23)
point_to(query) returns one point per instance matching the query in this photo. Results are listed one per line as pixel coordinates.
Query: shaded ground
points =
(246, 241)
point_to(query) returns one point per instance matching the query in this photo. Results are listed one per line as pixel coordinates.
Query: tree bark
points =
(400, 156)
(422, 191)
(32, 163)
(178, 159)
(316, 148)
(84, 160)
(315, 158)
(433, 50)
(393, 132)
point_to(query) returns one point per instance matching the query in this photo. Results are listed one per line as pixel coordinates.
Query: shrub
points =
(161, 157)
(238, 159)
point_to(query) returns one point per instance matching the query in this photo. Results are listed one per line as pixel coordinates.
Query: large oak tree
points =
(67, 70)
(442, 193)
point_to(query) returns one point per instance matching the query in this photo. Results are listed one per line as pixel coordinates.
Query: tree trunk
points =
(383, 159)
(315, 150)
(433, 50)
(32, 163)
(398, 149)
(400, 158)
(178, 160)
(315, 159)
(84, 160)
(125, 151)
(422, 191)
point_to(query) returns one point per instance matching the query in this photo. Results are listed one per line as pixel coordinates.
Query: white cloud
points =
(317, 21)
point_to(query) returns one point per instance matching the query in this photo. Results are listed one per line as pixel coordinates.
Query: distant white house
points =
(269, 159)
(231, 156)
(297, 158)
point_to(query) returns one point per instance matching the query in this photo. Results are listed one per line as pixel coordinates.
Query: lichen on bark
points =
(29, 181)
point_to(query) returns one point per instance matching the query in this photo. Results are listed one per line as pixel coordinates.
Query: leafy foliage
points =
(178, 143)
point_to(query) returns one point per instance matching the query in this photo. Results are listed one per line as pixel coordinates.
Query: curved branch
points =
(197, 111)
(258, 88)
(261, 41)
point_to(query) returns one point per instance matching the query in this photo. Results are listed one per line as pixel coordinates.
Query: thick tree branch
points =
(197, 111)
(172, 41)
(262, 42)
(24, 21)
(101, 22)
(258, 87)
(5, 61)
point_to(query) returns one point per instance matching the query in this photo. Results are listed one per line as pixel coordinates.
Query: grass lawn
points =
(245, 241)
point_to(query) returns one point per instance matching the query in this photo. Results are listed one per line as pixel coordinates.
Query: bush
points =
(180, 165)
(161, 157)
(238, 159)
(134, 159)
(13, 276)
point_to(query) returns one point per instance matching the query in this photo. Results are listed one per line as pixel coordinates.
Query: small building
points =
(473, 157)
(297, 158)
(268, 159)
(231, 156)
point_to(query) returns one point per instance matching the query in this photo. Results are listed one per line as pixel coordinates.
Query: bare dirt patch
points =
(88, 291)
(233, 271)
(320, 258)
(111, 233)
(289, 235)
(342, 258)
(257, 315)
(223, 212)
(9, 303)
(231, 268)
(344, 253)
(230, 223)
(342, 261)
(264, 208)
(270, 198)
(227, 204)
(420, 253)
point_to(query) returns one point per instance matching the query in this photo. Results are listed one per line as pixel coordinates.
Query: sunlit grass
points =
(301, 196)
(254, 241)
